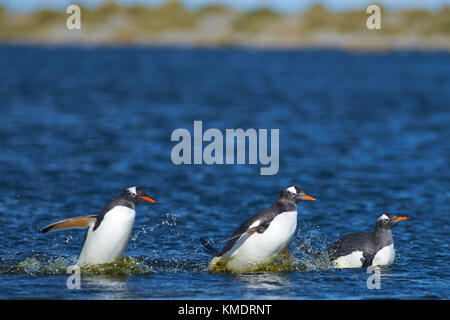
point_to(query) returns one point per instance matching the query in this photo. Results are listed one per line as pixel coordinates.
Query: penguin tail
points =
(208, 247)
(78, 222)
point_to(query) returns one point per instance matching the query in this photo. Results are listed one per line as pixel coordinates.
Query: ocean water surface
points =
(364, 133)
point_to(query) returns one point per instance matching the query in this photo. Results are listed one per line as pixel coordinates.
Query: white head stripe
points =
(292, 190)
(383, 217)
(132, 190)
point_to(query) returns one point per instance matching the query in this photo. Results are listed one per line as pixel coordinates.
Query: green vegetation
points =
(213, 9)
(351, 21)
(255, 21)
(319, 19)
(442, 22)
(315, 18)
(47, 17)
(278, 263)
(108, 8)
(124, 266)
(172, 23)
(171, 15)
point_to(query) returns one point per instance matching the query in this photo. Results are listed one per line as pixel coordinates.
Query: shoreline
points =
(234, 46)
(172, 25)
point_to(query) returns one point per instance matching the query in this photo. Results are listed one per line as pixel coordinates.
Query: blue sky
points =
(279, 5)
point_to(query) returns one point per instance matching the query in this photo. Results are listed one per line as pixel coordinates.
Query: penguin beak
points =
(398, 219)
(305, 197)
(147, 198)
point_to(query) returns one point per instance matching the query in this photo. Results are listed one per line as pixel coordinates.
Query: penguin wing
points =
(232, 240)
(350, 243)
(77, 222)
(259, 228)
(259, 223)
(368, 259)
(208, 247)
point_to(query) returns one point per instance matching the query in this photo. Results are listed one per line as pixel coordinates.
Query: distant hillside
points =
(173, 24)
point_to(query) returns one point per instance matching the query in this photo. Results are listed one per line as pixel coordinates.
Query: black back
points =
(283, 204)
(126, 199)
(367, 242)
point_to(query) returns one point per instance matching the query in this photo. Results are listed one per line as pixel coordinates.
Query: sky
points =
(278, 5)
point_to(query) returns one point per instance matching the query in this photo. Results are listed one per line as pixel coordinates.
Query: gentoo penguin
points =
(261, 237)
(109, 231)
(364, 249)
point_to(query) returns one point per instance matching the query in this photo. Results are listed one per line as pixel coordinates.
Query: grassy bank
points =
(173, 24)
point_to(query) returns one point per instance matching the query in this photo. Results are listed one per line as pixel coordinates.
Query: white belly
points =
(256, 248)
(110, 239)
(385, 256)
(352, 260)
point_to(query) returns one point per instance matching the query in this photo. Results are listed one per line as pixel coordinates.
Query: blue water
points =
(364, 133)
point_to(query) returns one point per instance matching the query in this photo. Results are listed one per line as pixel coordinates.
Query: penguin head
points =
(295, 194)
(387, 221)
(136, 195)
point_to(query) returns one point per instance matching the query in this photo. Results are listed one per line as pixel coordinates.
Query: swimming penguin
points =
(261, 237)
(109, 231)
(364, 249)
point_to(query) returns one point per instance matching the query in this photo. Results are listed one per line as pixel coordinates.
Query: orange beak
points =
(147, 199)
(306, 197)
(400, 218)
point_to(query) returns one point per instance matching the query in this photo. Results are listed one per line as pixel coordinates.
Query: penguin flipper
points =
(209, 248)
(260, 229)
(367, 260)
(78, 222)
